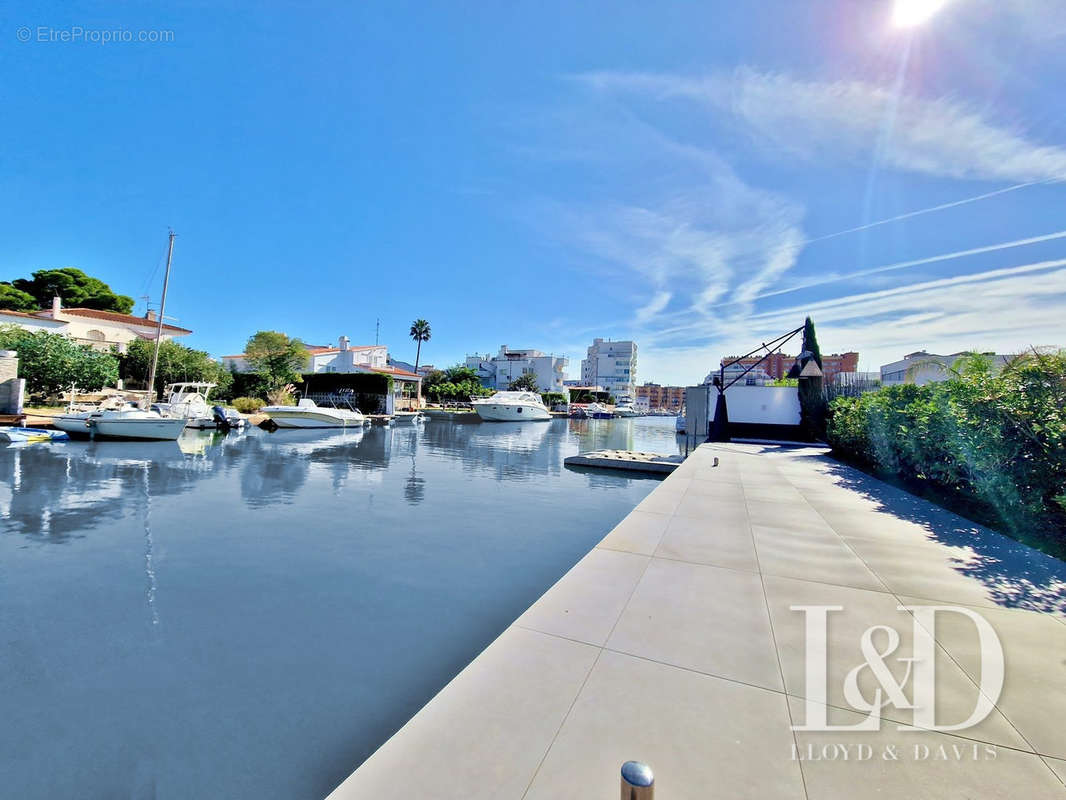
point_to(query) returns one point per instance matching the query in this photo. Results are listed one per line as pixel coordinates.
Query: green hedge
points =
(997, 441)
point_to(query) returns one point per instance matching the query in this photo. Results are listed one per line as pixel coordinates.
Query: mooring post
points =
(638, 783)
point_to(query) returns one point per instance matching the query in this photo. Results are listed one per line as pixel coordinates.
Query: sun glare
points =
(908, 13)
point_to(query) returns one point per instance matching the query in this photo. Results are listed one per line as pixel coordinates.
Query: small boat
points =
(511, 407)
(625, 410)
(406, 417)
(189, 401)
(30, 435)
(133, 423)
(597, 411)
(308, 414)
(76, 420)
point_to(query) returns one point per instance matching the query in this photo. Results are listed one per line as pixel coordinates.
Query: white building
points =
(735, 374)
(346, 358)
(612, 365)
(921, 367)
(497, 372)
(100, 329)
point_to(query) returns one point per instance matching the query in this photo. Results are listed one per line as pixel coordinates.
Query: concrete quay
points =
(676, 642)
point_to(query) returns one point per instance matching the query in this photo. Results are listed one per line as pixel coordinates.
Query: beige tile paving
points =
(958, 574)
(1058, 766)
(926, 766)
(701, 735)
(640, 532)
(586, 602)
(712, 540)
(704, 618)
(860, 610)
(674, 642)
(811, 554)
(1034, 685)
(484, 736)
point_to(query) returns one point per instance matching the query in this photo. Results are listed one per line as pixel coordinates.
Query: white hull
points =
(158, 429)
(308, 415)
(506, 412)
(72, 423)
(320, 418)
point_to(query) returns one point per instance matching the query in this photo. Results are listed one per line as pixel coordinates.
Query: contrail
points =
(931, 209)
(914, 263)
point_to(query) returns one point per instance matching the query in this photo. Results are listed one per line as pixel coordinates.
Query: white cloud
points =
(845, 120)
(660, 301)
(1011, 308)
(712, 252)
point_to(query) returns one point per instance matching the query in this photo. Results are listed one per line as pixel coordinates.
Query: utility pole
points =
(377, 330)
(159, 327)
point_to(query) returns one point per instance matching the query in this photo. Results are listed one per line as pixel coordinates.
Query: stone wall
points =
(12, 388)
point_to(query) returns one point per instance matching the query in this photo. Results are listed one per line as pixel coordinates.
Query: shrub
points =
(50, 362)
(247, 405)
(282, 396)
(997, 439)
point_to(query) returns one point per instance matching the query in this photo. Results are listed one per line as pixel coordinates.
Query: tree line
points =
(71, 285)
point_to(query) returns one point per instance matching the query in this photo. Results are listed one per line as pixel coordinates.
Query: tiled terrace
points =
(673, 642)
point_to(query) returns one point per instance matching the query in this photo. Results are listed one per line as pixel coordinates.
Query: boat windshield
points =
(516, 397)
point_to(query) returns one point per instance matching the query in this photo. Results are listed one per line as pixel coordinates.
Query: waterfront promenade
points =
(675, 642)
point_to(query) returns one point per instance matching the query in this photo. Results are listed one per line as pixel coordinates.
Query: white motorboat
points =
(76, 419)
(133, 423)
(511, 407)
(625, 410)
(598, 411)
(308, 414)
(189, 401)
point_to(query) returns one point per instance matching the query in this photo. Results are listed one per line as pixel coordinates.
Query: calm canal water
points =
(253, 615)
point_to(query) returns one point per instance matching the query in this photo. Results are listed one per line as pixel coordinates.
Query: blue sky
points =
(689, 175)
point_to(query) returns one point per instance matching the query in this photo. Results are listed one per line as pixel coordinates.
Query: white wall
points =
(767, 405)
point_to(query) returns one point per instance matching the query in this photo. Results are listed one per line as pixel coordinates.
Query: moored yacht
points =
(511, 407)
(308, 414)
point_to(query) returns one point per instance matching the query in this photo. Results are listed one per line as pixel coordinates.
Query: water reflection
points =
(347, 575)
(77, 486)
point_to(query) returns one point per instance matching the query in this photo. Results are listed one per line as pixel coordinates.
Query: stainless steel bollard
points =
(638, 783)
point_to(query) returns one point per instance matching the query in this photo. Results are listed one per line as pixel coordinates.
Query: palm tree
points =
(420, 333)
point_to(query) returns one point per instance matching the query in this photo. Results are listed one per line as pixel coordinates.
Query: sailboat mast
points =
(159, 327)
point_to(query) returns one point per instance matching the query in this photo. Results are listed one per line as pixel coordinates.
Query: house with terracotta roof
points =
(99, 329)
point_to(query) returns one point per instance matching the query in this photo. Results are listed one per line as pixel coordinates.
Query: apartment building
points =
(777, 365)
(611, 364)
(497, 372)
(921, 367)
(652, 396)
